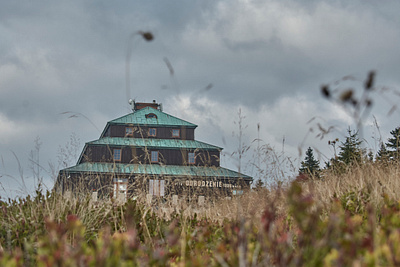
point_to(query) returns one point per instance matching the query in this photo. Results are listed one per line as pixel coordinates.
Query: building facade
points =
(151, 152)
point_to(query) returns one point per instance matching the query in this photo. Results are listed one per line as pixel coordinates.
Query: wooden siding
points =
(140, 156)
(138, 184)
(142, 132)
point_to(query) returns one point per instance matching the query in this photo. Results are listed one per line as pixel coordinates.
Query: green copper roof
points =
(155, 169)
(154, 143)
(163, 119)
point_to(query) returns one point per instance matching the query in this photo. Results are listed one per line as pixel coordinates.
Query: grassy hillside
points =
(352, 219)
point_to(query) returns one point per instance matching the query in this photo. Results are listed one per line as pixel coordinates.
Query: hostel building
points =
(151, 152)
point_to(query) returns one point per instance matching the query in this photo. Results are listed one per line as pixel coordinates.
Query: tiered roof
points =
(156, 169)
(139, 118)
(152, 117)
(154, 143)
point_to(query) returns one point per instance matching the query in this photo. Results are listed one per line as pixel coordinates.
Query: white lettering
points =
(209, 184)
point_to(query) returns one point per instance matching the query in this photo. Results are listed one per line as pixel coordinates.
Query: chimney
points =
(140, 105)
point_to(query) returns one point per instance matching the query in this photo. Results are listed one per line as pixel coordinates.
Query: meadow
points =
(347, 219)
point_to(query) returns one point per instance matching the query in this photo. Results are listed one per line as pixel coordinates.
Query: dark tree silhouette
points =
(383, 155)
(393, 144)
(310, 166)
(351, 151)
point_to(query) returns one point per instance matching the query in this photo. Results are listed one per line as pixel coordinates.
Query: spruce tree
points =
(393, 144)
(351, 151)
(383, 155)
(310, 166)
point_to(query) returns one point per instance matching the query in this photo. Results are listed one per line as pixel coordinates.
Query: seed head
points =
(346, 95)
(325, 91)
(148, 36)
(370, 80)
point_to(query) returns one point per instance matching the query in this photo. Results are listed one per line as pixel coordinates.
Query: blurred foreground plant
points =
(296, 228)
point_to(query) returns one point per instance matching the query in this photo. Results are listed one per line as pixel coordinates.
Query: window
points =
(151, 115)
(157, 187)
(117, 154)
(152, 131)
(176, 133)
(128, 131)
(154, 156)
(191, 158)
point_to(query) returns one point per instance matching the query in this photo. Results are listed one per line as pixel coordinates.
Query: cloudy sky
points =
(63, 76)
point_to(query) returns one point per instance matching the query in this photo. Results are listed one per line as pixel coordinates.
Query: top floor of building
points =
(148, 121)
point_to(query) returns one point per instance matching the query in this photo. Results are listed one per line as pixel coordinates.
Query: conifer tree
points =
(351, 151)
(310, 166)
(383, 155)
(393, 144)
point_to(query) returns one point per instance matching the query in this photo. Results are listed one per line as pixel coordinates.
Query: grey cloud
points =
(70, 56)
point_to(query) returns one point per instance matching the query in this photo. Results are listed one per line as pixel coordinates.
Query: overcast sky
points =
(267, 59)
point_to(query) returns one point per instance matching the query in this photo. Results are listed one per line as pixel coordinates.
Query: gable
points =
(152, 117)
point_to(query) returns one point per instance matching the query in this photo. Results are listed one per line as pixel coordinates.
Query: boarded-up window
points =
(157, 187)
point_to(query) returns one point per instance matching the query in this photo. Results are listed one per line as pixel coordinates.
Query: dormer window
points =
(128, 131)
(152, 131)
(151, 116)
(176, 133)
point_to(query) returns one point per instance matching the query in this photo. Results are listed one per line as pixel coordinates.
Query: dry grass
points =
(369, 183)
(288, 226)
(375, 179)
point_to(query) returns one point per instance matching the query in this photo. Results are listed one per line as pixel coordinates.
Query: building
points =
(151, 152)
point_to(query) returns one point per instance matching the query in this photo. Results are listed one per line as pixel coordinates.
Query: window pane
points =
(175, 132)
(117, 154)
(154, 156)
(128, 131)
(152, 131)
(151, 115)
(191, 159)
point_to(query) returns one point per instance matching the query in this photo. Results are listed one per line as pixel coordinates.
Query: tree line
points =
(351, 152)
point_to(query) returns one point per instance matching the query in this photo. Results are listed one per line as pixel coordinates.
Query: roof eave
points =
(194, 126)
(82, 153)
